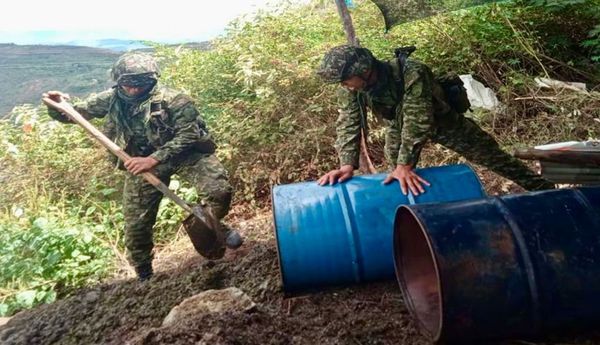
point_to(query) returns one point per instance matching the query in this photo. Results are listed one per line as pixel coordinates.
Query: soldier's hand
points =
(342, 174)
(408, 179)
(138, 165)
(56, 96)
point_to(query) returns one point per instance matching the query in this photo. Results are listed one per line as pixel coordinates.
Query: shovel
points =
(201, 225)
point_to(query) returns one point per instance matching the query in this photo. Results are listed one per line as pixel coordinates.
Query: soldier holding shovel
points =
(157, 131)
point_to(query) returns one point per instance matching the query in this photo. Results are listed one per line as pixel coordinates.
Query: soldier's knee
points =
(218, 197)
(221, 202)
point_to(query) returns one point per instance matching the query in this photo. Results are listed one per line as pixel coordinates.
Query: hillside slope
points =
(27, 71)
(129, 312)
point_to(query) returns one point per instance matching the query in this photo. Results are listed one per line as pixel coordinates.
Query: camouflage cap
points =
(135, 69)
(345, 61)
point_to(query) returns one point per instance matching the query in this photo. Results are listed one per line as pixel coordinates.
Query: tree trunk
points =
(365, 164)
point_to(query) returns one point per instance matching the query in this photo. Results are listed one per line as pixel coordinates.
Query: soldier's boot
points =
(233, 239)
(144, 272)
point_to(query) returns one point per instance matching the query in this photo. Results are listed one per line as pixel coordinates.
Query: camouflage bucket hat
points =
(343, 62)
(135, 69)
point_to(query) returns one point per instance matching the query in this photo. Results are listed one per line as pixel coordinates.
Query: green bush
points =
(61, 226)
(41, 157)
(593, 43)
(274, 119)
(43, 258)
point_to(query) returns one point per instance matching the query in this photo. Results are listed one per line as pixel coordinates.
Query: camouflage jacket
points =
(166, 126)
(408, 116)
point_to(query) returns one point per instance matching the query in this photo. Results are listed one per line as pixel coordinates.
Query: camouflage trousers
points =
(465, 137)
(141, 200)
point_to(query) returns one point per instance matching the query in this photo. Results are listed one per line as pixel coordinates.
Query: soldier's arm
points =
(348, 128)
(95, 105)
(188, 132)
(393, 139)
(417, 114)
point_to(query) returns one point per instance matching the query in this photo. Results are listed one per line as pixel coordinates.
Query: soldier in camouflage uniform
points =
(414, 115)
(162, 131)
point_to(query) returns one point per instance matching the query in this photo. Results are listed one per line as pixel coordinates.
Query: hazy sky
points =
(55, 21)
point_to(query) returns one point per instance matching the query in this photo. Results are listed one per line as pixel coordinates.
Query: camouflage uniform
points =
(163, 124)
(413, 117)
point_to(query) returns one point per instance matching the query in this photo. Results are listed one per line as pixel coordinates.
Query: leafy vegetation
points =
(61, 225)
(274, 121)
(42, 256)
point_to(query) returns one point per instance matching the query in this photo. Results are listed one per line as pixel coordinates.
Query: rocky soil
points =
(130, 312)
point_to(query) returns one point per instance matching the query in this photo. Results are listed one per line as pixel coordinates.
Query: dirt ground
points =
(129, 312)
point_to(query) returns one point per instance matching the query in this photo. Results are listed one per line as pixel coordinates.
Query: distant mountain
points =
(120, 45)
(26, 71)
(110, 43)
(204, 45)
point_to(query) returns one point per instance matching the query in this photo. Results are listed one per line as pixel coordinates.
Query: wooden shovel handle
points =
(208, 223)
(67, 109)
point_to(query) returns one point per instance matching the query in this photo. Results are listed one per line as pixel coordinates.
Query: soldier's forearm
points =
(349, 158)
(167, 152)
(183, 142)
(84, 112)
(409, 154)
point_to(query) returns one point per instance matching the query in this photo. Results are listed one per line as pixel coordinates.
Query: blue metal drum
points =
(512, 266)
(342, 234)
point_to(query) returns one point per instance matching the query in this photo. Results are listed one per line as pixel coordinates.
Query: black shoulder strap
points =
(402, 55)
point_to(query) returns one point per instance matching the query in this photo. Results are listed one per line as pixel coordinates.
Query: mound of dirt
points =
(347, 317)
(109, 313)
(129, 312)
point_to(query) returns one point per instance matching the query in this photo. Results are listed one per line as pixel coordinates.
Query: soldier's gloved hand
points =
(58, 97)
(344, 173)
(138, 165)
(407, 178)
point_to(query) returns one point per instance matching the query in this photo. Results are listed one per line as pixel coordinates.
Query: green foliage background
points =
(274, 121)
(273, 117)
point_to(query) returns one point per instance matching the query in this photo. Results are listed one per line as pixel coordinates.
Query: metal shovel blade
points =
(203, 230)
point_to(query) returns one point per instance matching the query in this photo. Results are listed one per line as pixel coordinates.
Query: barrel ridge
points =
(594, 216)
(527, 261)
(277, 239)
(351, 232)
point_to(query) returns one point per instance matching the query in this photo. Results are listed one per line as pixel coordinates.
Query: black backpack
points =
(453, 86)
(455, 91)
